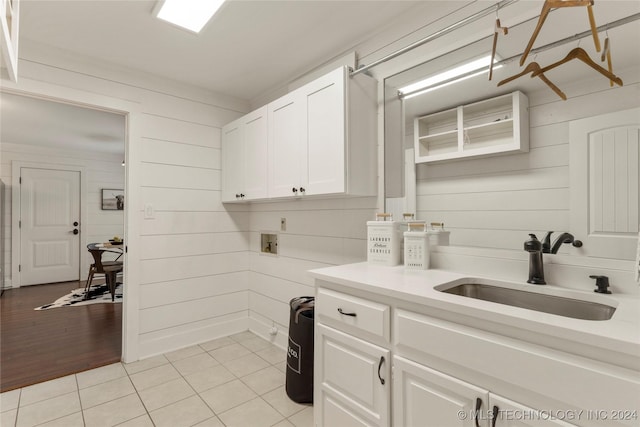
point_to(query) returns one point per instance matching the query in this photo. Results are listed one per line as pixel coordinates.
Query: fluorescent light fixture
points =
(446, 78)
(189, 14)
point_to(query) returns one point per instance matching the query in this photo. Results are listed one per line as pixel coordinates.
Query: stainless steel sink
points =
(561, 306)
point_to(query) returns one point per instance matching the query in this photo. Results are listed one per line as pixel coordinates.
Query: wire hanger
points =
(497, 28)
(555, 4)
(534, 67)
(579, 53)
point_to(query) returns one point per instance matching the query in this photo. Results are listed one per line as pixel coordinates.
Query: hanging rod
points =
(601, 28)
(468, 20)
(588, 33)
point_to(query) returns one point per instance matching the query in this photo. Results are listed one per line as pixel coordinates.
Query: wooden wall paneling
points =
(166, 293)
(185, 245)
(161, 270)
(168, 176)
(180, 154)
(277, 288)
(174, 130)
(181, 199)
(170, 222)
(181, 313)
(180, 336)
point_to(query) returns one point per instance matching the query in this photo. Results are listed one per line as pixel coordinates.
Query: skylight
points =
(446, 78)
(189, 14)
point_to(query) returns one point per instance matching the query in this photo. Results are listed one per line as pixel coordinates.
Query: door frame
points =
(16, 200)
(132, 112)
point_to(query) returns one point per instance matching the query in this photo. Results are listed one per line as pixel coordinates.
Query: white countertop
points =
(621, 333)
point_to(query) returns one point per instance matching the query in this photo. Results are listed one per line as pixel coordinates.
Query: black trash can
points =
(299, 382)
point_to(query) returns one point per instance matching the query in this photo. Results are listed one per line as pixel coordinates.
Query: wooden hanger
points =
(534, 67)
(579, 53)
(497, 28)
(594, 29)
(606, 53)
(555, 4)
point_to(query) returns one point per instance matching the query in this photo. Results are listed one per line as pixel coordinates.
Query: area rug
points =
(97, 294)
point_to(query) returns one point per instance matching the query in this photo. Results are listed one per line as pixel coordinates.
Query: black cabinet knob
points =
(302, 190)
(75, 231)
(294, 189)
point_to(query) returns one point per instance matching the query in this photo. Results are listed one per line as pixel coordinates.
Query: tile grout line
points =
(165, 361)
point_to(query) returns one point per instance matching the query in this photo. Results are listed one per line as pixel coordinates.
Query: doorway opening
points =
(62, 155)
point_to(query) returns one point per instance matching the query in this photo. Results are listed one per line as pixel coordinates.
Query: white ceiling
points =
(247, 49)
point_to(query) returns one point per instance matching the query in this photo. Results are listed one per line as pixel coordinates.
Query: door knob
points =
(75, 223)
(75, 231)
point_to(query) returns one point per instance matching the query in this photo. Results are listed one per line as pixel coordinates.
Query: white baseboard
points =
(219, 328)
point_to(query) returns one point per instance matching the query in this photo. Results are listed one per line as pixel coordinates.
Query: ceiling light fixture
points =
(446, 78)
(189, 14)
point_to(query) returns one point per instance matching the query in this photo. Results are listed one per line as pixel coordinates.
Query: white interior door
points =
(49, 214)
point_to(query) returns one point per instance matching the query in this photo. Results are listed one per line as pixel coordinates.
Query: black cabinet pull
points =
(380, 367)
(75, 231)
(302, 190)
(294, 189)
(494, 416)
(241, 196)
(237, 196)
(345, 313)
(476, 414)
(75, 223)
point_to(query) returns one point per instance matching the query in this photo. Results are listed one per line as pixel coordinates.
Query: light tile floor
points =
(236, 381)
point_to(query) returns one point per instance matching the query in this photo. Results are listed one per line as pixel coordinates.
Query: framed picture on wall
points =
(112, 200)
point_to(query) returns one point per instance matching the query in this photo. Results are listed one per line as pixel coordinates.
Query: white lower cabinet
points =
(512, 414)
(422, 396)
(379, 364)
(352, 379)
(426, 397)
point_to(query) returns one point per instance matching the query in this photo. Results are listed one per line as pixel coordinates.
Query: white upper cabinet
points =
(487, 127)
(244, 150)
(325, 155)
(321, 141)
(287, 145)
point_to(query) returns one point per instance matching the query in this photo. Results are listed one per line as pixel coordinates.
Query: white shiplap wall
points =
(194, 253)
(495, 202)
(102, 171)
(319, 233)
(192, 257)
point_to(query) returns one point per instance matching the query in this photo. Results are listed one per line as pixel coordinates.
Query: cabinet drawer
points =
(352, 314)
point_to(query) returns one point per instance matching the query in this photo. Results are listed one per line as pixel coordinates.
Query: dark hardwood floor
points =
(37, 346)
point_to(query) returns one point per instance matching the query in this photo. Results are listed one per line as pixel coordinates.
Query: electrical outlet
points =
(283, 224)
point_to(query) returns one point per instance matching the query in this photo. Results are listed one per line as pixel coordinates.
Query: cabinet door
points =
(287, 140)
(351, 380)
(325, 151)
(232, 161)
(513, 414)
(255, 154)
(424, 397)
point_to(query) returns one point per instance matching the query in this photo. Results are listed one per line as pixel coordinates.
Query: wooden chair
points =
(110, 269)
